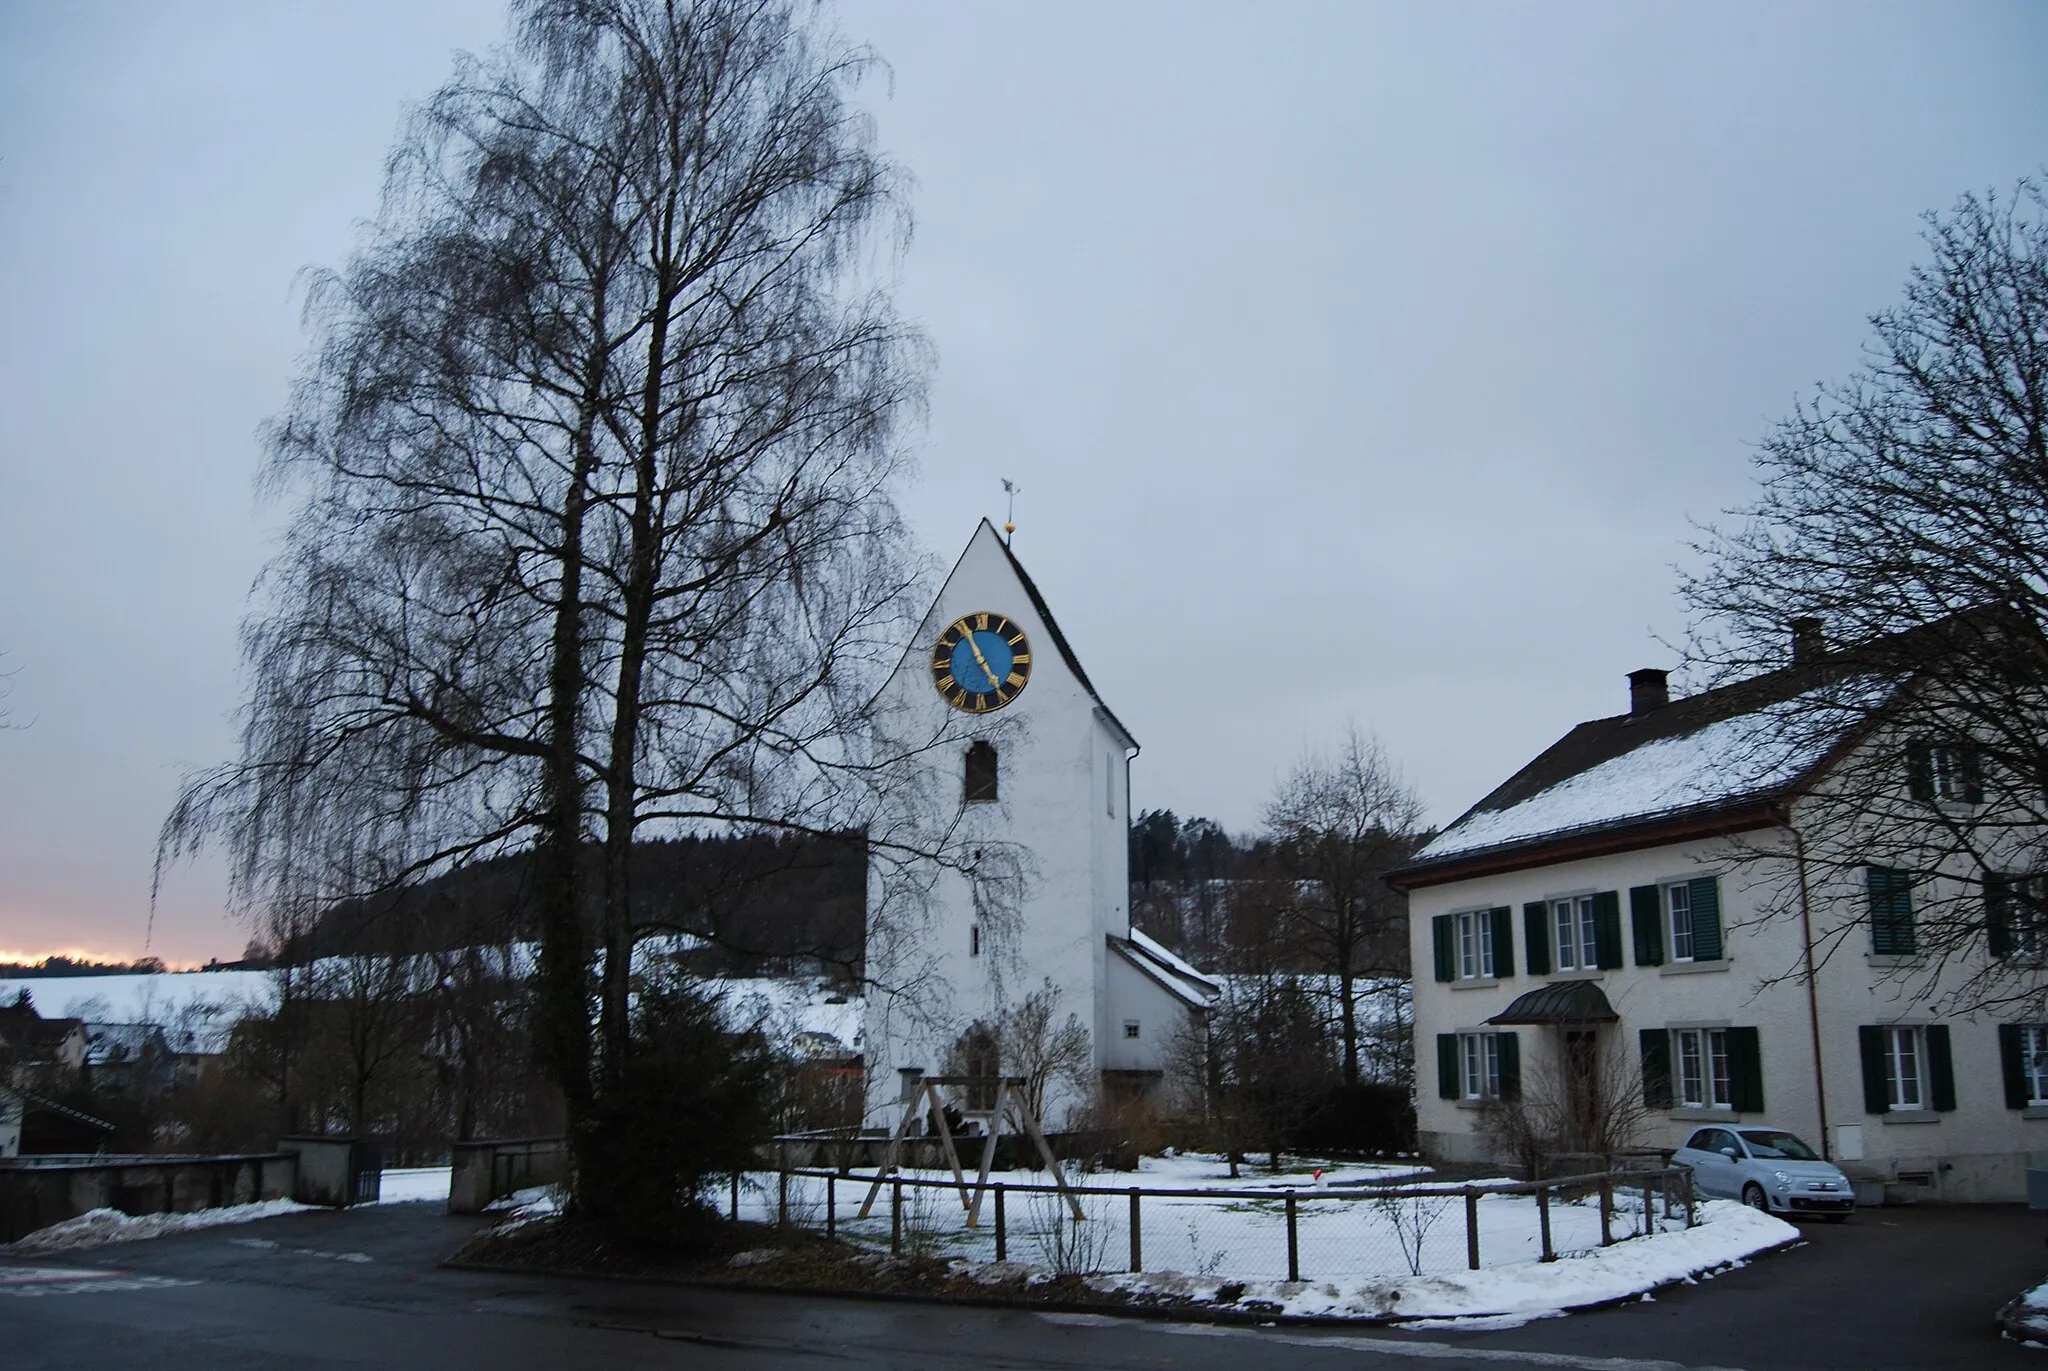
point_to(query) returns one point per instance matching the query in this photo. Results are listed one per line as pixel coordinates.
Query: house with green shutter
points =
(1631, 938)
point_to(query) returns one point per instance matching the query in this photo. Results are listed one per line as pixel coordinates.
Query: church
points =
(999, 877)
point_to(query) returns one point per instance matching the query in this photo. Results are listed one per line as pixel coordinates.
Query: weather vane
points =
(1010, 517)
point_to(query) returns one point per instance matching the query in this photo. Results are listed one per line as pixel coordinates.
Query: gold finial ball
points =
(1009, 527)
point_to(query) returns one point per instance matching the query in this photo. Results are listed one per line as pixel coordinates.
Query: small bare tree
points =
(1340, 822)
(1584, 1099)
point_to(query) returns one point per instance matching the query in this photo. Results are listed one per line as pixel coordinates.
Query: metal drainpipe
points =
(1820, 1078)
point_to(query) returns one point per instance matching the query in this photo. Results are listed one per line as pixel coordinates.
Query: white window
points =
(1130, 1028)
(1904, 1074)
(2034, 1062)
(1480, 1057)
(1949, 772)
(1703, 1068)
(1475, 944)
(1577, 945)
(2025, 936)
(1678, 914)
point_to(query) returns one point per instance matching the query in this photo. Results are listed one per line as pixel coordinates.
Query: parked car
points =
(1766, 1168)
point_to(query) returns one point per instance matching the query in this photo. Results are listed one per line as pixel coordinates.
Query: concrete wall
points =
(35, 1193)
(489, 1170)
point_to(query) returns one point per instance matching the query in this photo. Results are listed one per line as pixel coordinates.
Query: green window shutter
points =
(1646, 918)
(1503, 941)
(1941, 1070)
(1510, 1066)
(1703, 894)
(1536, 930)
(2011, 1067)
(1656, 1045)
(1920, 772)
(1745, 1071)
(1607, 929)
(1450, 1084)
(1998, 914)
(1870, 1040)
(1891, 911)
(1444, 936)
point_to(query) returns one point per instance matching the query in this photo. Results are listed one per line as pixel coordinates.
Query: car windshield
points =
(1772, 1144)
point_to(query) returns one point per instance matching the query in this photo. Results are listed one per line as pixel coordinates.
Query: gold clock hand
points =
(981, 661)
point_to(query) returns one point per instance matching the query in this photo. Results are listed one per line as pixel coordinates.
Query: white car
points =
(1766, 1168)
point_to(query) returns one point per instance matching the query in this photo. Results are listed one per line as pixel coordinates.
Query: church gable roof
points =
(1045, 615)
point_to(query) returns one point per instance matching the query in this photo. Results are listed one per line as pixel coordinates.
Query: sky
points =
(1358, 364)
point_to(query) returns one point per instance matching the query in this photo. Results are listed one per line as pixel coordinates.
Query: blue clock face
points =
(981, 662)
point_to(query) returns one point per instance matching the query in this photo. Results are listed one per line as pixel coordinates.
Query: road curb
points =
(1189, 1313)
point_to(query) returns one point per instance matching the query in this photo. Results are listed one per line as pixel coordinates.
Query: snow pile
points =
(1744, 755)
(2025, 1319)
(530, 1205)
(99, 1227)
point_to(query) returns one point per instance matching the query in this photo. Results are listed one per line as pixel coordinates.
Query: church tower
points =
(1015, 775)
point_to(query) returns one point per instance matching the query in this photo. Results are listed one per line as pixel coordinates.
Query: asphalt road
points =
(1909, 1288)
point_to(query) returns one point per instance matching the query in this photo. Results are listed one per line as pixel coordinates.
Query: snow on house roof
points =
(1166, 969)
(1752, 741)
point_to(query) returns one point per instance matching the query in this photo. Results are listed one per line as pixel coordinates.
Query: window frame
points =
(1576, 913)
(1479, 1066)
(1472, 945)
(2034, 1063)
(1905, 1044)
(1678, 919)
(1704, 1077)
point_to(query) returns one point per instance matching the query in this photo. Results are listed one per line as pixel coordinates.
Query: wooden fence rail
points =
(1673, 1184)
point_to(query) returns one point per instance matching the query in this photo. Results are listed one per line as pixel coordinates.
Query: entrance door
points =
(1582, 1087)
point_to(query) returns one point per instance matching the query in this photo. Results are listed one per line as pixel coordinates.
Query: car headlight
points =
(1784, 1180)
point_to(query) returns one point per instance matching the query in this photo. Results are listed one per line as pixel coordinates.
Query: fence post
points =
(1472, 1229)
(782, 1198)
(896, 1217)
(1002, 1229)
(1649, 1207)
(1543, 1221)
(1607, 1211)
(831, 1206)
(1137, 1244)
(1692, 1204)
(1293, 1242)
(735, 1197)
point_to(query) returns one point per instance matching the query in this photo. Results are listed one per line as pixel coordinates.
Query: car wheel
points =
(1753, 1196)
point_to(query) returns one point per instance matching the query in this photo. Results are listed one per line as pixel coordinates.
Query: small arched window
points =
(981, 773)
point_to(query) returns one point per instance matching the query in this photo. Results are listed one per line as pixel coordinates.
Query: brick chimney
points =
(1809, 641)
(1648, 689)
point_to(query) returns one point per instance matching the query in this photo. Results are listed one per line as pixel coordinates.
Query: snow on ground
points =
(1401, 1256)
(2025, 1318)
(413, 1184)
(98, 1227)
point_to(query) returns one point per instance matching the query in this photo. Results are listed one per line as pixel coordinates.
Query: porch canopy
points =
(1560, 1002)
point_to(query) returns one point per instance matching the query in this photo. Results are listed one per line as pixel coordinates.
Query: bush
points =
(688, 1107)
(1365, 1119)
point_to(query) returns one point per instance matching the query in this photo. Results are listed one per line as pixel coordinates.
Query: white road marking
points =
(1396, 1346)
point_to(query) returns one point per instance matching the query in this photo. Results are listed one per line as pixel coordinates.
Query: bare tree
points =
(594, 466)
(1340, 822)
(1904, 516)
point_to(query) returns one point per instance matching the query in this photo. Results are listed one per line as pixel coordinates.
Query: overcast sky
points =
(1357, 363)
